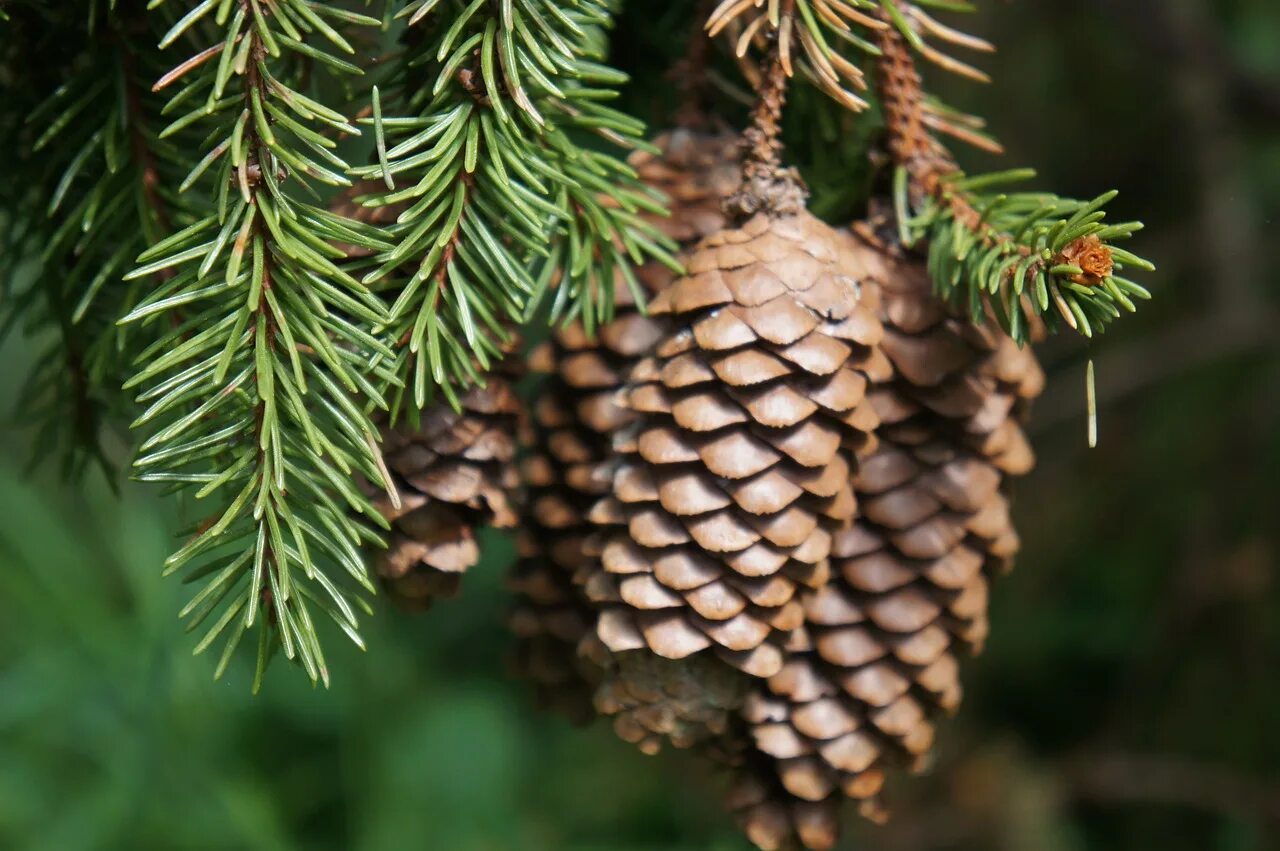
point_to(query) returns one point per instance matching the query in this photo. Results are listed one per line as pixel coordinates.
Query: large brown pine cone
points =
(454, 472)
(908, 595)
(729, 487)
(575, 416)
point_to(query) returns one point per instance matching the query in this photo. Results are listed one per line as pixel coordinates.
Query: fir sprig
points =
(255, 397)
(81, 131)
(1009, 254)
(265, 331)
(482, 147)
(1052, 256)
(1023, 252)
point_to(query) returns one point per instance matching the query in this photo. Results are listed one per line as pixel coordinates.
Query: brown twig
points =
(767, 186)
(928, 164)
(134, 113)
(763, 139)
(901, 93)
(251, 178)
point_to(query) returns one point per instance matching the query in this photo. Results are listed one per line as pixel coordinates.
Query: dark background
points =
(1129, 697)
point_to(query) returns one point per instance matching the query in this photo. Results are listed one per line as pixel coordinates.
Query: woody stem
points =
(766, 185)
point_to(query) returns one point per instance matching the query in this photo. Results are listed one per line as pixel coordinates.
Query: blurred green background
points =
(1129, 697)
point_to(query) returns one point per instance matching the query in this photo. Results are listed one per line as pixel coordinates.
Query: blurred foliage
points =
(1127, 699)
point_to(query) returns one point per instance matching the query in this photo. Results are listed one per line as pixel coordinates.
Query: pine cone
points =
(455, 472)
(935, 513)
(549, 618)
(577, 413)
(729, 487)
(879, 658)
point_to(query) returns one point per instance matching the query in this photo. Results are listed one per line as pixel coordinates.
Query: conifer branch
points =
(987, 250)
(255, 398)
(1010, 253)
(81, 133)
(267, 330)
(828, 40)
(500, 197)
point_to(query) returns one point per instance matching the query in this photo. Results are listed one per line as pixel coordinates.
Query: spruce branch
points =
(987, 248)
(255, 397)
(484, 147)
(81, 130)
(1008, 252)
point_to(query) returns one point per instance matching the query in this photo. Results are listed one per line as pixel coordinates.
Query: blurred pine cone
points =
(454, 472)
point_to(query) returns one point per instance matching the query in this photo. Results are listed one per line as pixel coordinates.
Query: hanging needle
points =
(1091, 395)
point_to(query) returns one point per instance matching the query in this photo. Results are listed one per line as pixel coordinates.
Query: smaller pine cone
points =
(549, 618)
(454, 473)
(696, 171)
(935, 525)
(549, 622)
(909, 594)
(822, 739)
(878, 661)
